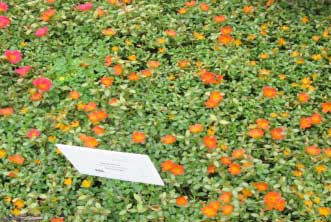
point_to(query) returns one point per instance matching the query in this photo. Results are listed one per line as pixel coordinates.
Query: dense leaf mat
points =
(230, 99)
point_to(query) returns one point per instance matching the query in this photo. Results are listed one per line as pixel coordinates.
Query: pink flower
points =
(13, 56)
(41, 32)
(84, 7)
(42, 83)
(33, 133)
(22, 71)
(4, 21)
(3, 7)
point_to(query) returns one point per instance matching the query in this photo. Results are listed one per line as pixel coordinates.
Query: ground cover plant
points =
(230, 99)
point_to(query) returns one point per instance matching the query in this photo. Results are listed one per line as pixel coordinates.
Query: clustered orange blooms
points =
(307, 122)
(210, 77)
(174, 168)
(214, 99)
(211, 210)
(262, 126)
(274, 200)
(89, 141)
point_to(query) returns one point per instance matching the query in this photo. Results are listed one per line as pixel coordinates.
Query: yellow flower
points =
(74, 123)
(304, 19)
(53, 199)
(316, 57)
(198, 36)
(68, 181)
(306, 81)
(132, 57)
(37, 162)
(224, 147)
(86, 183)
(325, 34)
(285, 28)
(285, 114)
(23, 44)
(114, 49)
(295, 54)
(161, 50)
(281, 42)
(308, 203)
(297, 173)
(314, 76)
(300, 61)
(7, 199)
(58, 151)
(24, 110)
(51, 139)
(62, 78)
(18, 203)
(172, 77)
(317, 200)
(273, 115)
(253, 63)
(251, 37)
(300, 166)
(237, 42)
(128, 42)
(2, 153)
(264, 56)
(320, 169)
(282, 76)
(16, 212)
(161, 41)
(171, 116)
(211, 131)
(329, 132)
(287, 152)
(324, 211)
(316, 38)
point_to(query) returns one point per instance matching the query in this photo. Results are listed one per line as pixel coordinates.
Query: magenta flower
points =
(22, 71)
(3, 7)
(13, 56)
(84, 7)
(33, 133)
(41, 32)
(4, 21)
(42, 83)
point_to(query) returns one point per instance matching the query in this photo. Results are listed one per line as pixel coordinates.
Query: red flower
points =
(13, 56)
(3, 7)
(41, 32)
(23, 71)
(43, 84)
(33, 133)
(274, 200)
(84, 7)
(4, 21)
(210, 142)
(57, 219)
(269, 92)
(278, 133)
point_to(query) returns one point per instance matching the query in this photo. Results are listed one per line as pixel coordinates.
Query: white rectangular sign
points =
(110, 164)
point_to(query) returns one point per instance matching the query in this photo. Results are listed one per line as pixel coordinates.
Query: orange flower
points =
(227, 209)
(113, 101)
(256, 133)
(303, 97)
(181, 201)
(183, 64)
(118, 69)
(204, 7)
(196, 128)
(238, 153)
(107, 81)
(100, 12)
(225, 161)
(6, 111)
(278, 133)
(91, 106)
(57, 219)
(153, 64)
(316, 119)
(313, 150)
(177, 169)
(74, 95)
(182, 11)
(219, 18)
(274, 200)
(210, 142)
(248, 9)
(261, 186)
(327, 152)
(262, 124)
(109, 32)
(168, 139)
(90, 142)
(215, 204)
(305, 122)
(171, 33)
(17, 159)
(226, 197)
(216, 97)
(225, 39)
(211, 169)
(234, 168)
(167, 165)
(146, 73)
(209, 211)
(133, 76)
(36, 96)
(98, 130)
(108, 61)
(326, 107)
(226, 30)
(47, 15)
(97, 116)
(190, 4)
(269, 92)
(138, 137)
